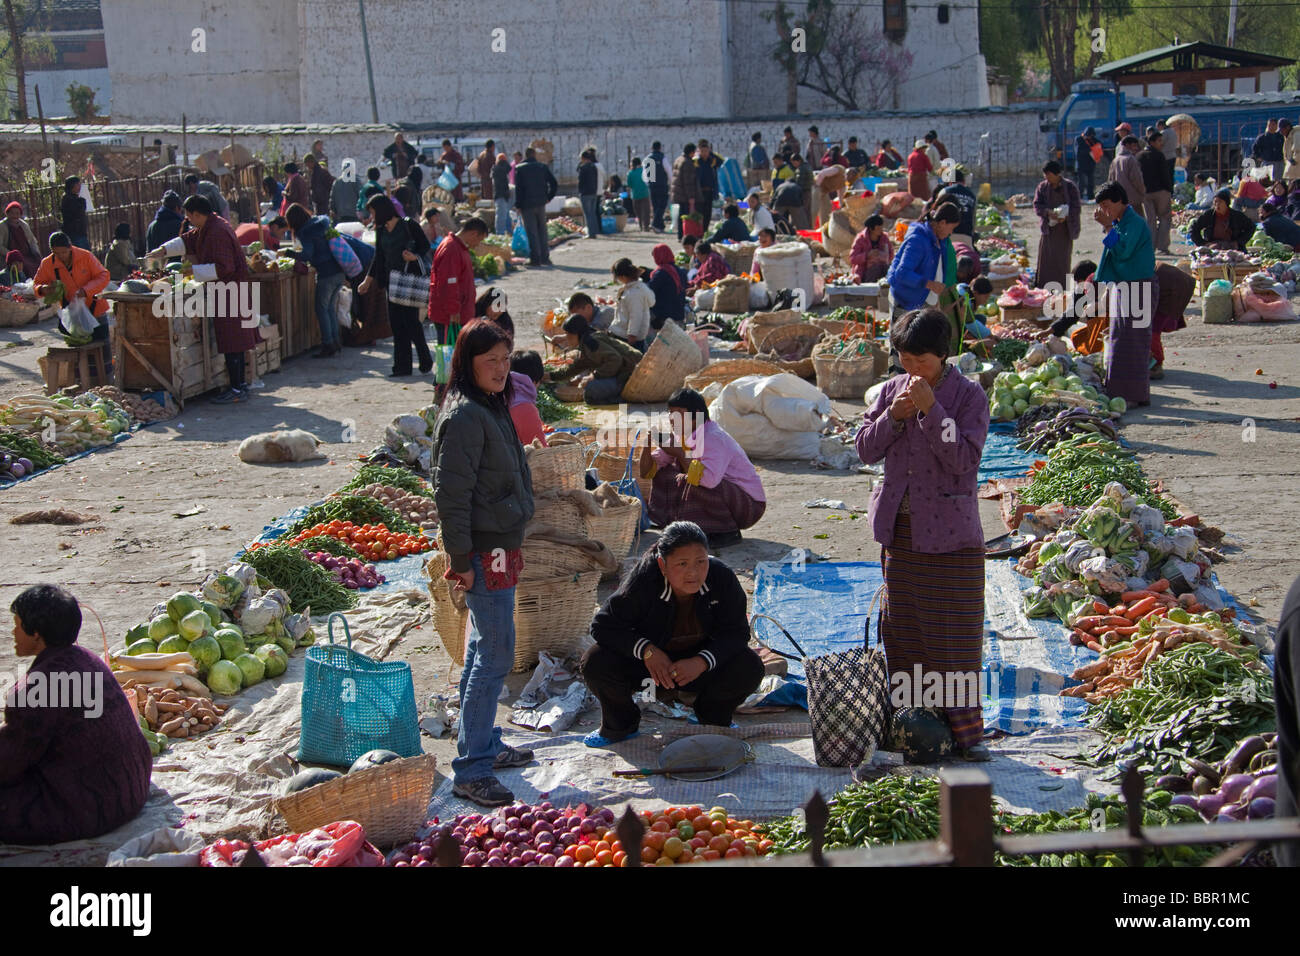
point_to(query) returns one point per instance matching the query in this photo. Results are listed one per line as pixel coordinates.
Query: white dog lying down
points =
(271, 448)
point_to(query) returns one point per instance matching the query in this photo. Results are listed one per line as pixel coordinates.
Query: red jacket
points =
(451, 291)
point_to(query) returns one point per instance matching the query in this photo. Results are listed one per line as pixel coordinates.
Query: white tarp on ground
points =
(222, 783)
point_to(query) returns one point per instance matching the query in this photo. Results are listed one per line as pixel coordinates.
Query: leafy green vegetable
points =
(393, 477)
(307, 583)
(353, 508)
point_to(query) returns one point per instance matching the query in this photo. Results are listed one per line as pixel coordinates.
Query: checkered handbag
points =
(848, 702)
(409, 288)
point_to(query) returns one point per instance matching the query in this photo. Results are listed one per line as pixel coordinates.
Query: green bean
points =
(306, 583)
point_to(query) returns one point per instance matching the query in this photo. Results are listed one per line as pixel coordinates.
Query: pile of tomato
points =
(373, 542)
(677, 835)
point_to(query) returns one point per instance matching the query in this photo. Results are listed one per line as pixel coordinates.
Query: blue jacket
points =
(661, 179)
(316, 247)
(166, 225)
(915, 264)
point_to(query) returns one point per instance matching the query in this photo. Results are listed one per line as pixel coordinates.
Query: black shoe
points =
(323, 352)
(724, 539)
(426, 369)
(485, 791)
(396, 374)
(512, 757)
(230, 396)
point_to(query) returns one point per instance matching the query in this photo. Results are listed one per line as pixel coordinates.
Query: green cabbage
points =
(193, 624)
(274, 658)
(205, 651)
(142, 646)
(231, 643)
(225, 678)
(180, 604)
(251, 668)
(161, 628)
(213, 612)
(173, 645)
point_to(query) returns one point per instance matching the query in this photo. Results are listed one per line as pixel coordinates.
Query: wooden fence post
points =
(965, 811)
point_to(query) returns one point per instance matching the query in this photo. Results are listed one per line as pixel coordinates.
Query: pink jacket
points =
(934, 460)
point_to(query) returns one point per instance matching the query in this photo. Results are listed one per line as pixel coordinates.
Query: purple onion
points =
(546, 806)
(425, 853)
(564, 861)
(547, 859)
(588, 825)
(497, 862)
(528, 856)
(474, 858)
(423, 863)
(500, 830)
(526, 820)
(401, 863)
(491, 843)
(1183, 800)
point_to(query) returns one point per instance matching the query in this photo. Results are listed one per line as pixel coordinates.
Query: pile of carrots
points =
(1111, 625)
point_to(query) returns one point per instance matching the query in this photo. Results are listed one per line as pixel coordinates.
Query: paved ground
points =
(1192, 437)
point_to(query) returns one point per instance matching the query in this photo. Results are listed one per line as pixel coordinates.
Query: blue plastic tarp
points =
(1001, 458)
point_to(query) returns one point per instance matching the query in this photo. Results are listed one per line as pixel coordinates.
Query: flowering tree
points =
(833, 51)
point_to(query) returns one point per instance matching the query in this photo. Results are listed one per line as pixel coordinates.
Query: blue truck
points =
(1229, 123)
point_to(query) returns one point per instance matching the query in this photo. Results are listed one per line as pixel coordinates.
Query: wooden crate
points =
(1207, 274)
(288, 299)
(1010, 316)
(79, 366)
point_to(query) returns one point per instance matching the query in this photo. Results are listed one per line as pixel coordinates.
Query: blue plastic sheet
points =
(117, 439)
(1001, 458)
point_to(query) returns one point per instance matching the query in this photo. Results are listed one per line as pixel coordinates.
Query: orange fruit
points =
(655, 839)
(686, 857)
(590, 863)
(571, 852)
(747, 824)
(602, 846)
(692, 812)
(765, 845)
(620, 858)
(584, 853)
(605, 858)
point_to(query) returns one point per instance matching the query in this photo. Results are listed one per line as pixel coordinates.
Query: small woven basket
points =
(792, 343)
(390, 801)
(558, 467)
(672, 356)
(728, 370)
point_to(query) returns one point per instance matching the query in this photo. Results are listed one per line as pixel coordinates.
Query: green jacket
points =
(610, 358)
(805, 178)
(481, 482)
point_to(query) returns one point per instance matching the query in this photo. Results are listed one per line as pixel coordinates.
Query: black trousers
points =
(614, 677)
(658, 203)
(705, 208)
(408, 332)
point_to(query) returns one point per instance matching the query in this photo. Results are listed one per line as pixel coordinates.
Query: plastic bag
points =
(77, 319)
(777, 416)
(343, 307)
(519, 241)
(448, 180)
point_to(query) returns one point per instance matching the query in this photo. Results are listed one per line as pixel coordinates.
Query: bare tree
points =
(832, 51)
(16, 54)
(1059, 21)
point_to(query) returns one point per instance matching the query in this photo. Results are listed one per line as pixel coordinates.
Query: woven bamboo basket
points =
(558, 511)
(552, 615)
(671, 357)
(832, 327)
(391, 801)
(803, 368)
(760, 323)
(611, 462)
(14, 313)
(849, 376)
(728, 370)
(858, 206)
(616, 528)
(740, 257)
(792, 343)
(544, 560)
(558, 467)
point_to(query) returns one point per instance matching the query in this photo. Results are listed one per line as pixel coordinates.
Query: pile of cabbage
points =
(237, 633)
(1114, 545)
(1041, 378)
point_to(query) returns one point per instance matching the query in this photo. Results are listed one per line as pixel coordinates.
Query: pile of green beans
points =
(1193, 701)
(890, 810)
(1078, 469)
(307, 583)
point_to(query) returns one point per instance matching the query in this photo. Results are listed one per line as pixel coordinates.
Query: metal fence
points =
(133, 201)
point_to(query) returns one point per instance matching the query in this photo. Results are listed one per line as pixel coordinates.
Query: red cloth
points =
(216, 244)
(868, 262)
(528, 423)
(251, 232)
(483, 169)
(295, 191)
(713, 268)
(918, 166)
(451, 290)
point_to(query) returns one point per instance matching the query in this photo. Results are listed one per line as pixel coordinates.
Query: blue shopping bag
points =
(627, 486)
(519, 241)
(448, 180)
(352, 704)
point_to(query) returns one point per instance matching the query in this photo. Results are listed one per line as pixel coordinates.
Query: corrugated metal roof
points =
(1199, 48)
(1282, 98)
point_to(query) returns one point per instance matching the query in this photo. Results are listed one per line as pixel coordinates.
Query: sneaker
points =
(258, 383)
(229, 397)
(485, 791)
(724, 539)
(512, 757)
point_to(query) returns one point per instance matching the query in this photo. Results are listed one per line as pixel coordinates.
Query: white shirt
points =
(1204, 195)
(632, 311)
(763, 219)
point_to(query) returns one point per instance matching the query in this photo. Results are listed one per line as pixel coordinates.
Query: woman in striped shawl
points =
(929, 427)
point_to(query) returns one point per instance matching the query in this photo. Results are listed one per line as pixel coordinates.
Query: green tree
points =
(81, 100)
(1010, 31)
(1074, 39)
(19, 48)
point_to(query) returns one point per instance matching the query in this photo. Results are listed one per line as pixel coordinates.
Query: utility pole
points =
(1232, 23)
(369, 70)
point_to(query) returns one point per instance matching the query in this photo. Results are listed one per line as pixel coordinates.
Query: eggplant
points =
(1205, 770)
(1243, 753)
(1234, 786)
(1174, 783)
(1202, 786)
(1261, 808)
(27, 463)
(1209, 805)
(1264, 760)
(1261, 787)
(1183, 800)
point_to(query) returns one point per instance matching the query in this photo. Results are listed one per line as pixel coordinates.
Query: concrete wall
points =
(947, 71)
(54, 89)
(248, 74)
(435, 61)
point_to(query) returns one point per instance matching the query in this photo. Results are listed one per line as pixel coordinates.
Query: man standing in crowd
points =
(656, 175)
(933, 139)
(1126, 171)
(1085, 161)
(708, 163)
(369, 188)
(757, 165)
(1267, 150)
(1159, 186)
(483, 170)
(319, 182)
(805, 178)
(535, 186)
(959, 194)
(500, 179)
(211, 192)
(856, 156)
(685, 186)
(400, 154)
(72, 212)
(816, 149)
(788, 145)
(295, 189)
(344, 193)
(1169, 146)
(453, 160)
(318, 150)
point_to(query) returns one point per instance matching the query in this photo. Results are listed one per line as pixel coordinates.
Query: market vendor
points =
(607, 361)
(668, 283)
(1273, 220)
(701, 474)
(168, 221)
(484, 493)
(1174, 289)
(269, 235)
(1058, 232)
(16, 236)
(971, 297)
(916, 273)
(869, 258)
(709, 265)
(1222, 227)
(679, 619)
(83, 277)
(216, 253)
(1128, 258)
(732, 226)
(929, 427)
(760, 215)
(599, 317)
(73, 763)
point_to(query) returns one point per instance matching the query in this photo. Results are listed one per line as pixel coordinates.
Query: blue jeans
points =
(602, 391)
(591, 212)
(488, 658)
(503, 216)
(327, 291)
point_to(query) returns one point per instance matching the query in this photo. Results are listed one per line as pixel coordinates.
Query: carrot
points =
(1228, 613)
(1139, 608)
(1161, 585)
(1118, 610)
(1093, 645)
(1079, 636)
(1130, 629)
(1100, 607)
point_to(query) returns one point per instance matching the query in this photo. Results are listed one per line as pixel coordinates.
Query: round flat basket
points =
(792, 343)
(728, 370)
(390, 801)
(717, 751)
(760, 323)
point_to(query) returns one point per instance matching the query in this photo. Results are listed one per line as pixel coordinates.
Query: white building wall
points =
(459, 61)
(248, 72)
(54, 89)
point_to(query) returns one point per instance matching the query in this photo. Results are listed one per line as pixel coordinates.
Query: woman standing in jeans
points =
(397, 242)
(484, 494)
(589, 191)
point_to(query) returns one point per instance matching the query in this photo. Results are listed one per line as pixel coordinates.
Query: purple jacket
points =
(940, 476)
(72, 771)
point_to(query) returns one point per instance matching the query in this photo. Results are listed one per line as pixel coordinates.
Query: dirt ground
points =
(1195, 437)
